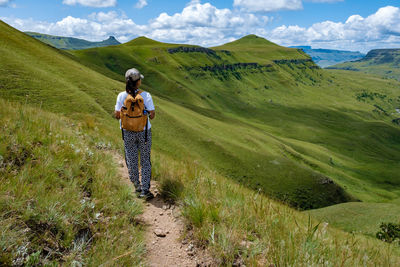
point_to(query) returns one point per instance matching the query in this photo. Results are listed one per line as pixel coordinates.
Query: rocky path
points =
(164, 228)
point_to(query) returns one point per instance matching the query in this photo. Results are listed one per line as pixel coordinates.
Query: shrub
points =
(390, 232)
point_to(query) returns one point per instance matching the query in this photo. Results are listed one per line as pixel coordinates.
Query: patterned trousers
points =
(134, 143)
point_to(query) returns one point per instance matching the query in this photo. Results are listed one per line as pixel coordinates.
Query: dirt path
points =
(164, 231)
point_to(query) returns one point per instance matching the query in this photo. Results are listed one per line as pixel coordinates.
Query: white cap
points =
(134, 74)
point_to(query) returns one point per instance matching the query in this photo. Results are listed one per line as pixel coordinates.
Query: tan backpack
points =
(132, 114)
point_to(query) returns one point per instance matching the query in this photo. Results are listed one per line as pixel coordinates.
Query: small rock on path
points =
(164, 230)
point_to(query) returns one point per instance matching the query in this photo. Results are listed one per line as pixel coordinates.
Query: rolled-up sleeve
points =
(119, 103)
(148, 102)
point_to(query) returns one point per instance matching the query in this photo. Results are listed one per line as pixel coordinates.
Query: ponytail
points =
(131, 87)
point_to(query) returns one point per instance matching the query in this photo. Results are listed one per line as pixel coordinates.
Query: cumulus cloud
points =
(274, 5)
(4, 3)
(201, 24)
(91, 3)
(141, 4)
(205, 24)
(325, 1)
(381, 29)
(98, 26)
(268, 5)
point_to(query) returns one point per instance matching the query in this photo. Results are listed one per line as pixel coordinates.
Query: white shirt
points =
(147, 101)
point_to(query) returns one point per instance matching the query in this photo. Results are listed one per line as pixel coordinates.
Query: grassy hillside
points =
(243, 227)
(49, 79)
(65, 157)
(359, 217)
(268, 117)
(60, 200)
(382, 62)
(61, 42)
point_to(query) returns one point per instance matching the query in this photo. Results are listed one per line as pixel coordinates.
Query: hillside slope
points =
(268, 117)
(61, 42)
(235, 115)
(329, 57)
(60, 199)
(358, 217)
(69, 159)
(382, 62)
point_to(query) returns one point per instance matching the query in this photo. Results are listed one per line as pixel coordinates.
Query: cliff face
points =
(383, 56)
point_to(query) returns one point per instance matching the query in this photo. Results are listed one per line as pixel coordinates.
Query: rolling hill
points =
(59, 200)
(328, 57)
(229, 119)
(272, 119)
(382, 62)
(70, 42)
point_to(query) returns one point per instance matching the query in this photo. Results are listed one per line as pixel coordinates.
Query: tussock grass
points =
(239, 225)
(61, 200)
(171, 189)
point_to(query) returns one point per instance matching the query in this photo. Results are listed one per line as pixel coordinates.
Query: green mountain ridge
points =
(251, 91)
(255, 84)
(381, 62)
(71, 43)
(277, 124)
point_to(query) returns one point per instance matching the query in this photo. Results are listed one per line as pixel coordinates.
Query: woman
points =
(140, 141)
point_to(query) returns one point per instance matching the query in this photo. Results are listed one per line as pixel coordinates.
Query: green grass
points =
(358, 217)
(50, 79)
(242, 226)
(282, 126)
(61, 200)
(291, 131)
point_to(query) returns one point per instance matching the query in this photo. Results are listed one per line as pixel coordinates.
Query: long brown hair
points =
(132, 86)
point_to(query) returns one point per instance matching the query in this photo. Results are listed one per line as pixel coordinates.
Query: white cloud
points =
(207, 25)
(98, 26)
(381, 29)
(204, 24)
(325, 1)
(91, 3)
(274, 5)
(4, 2)
(201, 24)
(141, 4)
(268, 5)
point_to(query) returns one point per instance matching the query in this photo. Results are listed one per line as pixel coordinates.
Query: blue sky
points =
(338, 24)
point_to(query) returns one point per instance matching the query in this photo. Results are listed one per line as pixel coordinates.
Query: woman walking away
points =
(134, 107)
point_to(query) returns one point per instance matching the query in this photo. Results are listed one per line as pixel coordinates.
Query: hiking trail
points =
(164, 229)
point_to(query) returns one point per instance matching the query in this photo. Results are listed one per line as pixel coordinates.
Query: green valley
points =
(246, 134)
(268, 117)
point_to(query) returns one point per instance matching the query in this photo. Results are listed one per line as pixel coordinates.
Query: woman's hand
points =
(117, 114)
(152, 114)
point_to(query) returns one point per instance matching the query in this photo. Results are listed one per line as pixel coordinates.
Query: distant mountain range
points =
(328, 57)
(382, 62)
(71, 43)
